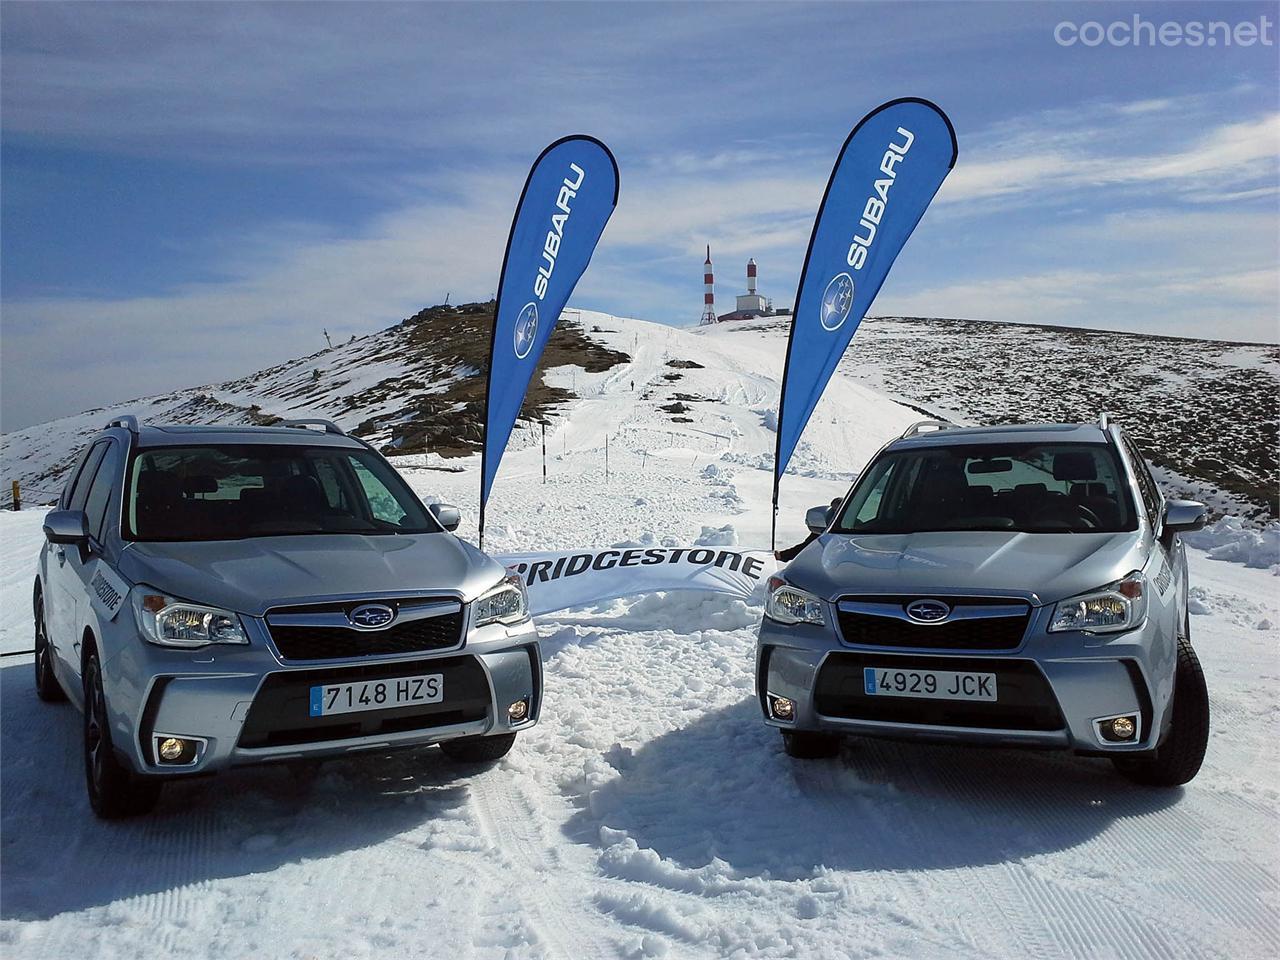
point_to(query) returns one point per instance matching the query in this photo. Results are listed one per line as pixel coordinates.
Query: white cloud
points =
(65, 354)
(1195, 274)
(1038, 166)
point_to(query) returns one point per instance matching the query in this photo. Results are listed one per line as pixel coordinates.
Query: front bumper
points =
(1054, 689)
(247, 705)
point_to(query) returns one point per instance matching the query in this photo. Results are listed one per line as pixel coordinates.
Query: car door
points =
(88, 578)
(63, 589)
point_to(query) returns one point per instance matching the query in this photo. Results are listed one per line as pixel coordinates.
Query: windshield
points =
(1046, 488)
(230, 492)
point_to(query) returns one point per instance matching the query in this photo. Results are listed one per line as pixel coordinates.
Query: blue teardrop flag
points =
(887, 172)
(567, 200)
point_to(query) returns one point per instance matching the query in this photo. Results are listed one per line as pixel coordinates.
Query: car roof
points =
(181, 435)
(1019, 433)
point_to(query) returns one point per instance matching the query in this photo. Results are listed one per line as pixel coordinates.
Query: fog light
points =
(1123, 728)
(171, 748)
(518, 711)
(783, 709)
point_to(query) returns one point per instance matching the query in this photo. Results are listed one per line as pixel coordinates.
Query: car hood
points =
(250, 576)
(1043, 567)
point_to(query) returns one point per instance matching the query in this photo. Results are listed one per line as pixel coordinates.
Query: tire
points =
(114, 790)
(478, 749)
(1179, 756)
(48, 688)
(804, 745)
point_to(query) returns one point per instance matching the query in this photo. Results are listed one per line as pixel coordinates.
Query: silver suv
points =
(1011, 585)
(215, 596)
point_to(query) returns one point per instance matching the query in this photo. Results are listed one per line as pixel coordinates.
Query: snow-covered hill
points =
(416, 386)
(1207, 412)
(651, 813)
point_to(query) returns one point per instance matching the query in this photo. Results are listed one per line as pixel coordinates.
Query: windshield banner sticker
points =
(578, 578)
(567, 200)
(888, 171)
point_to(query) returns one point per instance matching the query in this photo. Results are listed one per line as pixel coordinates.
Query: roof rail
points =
(919, 427)
(329, 425)
(1104, 420)
(128, 421)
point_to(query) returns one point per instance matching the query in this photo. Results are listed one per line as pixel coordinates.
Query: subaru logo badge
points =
(928, 611)
(837, 301)
(371, 616)
(526, 329)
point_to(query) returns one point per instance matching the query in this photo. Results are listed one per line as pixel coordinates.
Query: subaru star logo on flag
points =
(526, 329)
(836, 301)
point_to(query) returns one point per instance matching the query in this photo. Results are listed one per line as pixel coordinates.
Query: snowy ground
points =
(651, 813)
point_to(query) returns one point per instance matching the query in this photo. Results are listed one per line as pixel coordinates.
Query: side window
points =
(1146, 485)
(382, 503)
(74, 474)
(100, 493)
(80, 491)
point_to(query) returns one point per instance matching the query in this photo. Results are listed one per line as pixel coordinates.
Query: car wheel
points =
(114, 790)
(804, 745)
(478, 749)
(48, 688)
(1178, 758)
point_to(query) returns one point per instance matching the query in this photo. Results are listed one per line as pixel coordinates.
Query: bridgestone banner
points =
(579, 578)
(567, 200)
(887, 172)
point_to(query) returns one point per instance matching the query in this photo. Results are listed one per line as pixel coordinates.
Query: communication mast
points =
(709, 295)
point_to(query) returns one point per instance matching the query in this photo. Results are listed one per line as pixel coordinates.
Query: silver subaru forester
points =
(1011, 585)
(215, 596)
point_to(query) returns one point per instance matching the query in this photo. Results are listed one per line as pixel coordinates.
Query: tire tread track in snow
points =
(508, 820)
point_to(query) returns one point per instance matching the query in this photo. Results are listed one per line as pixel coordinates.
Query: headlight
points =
(505, 603)
(177, 623)
(788, 604)
(1118, 606)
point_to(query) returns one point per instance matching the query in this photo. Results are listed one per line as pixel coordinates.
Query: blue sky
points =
(191, 192)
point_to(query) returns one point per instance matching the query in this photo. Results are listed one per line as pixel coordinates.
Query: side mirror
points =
(447, 515)
(817, 519)
(1184, 516)
(66, 526)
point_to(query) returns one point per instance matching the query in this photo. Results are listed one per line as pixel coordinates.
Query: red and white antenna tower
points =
(709, 293)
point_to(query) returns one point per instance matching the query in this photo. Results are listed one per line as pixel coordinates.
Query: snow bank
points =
(1230, 539)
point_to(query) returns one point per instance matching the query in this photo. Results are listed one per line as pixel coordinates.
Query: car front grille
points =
(322, 632)
(975, 623)
(1026, 701)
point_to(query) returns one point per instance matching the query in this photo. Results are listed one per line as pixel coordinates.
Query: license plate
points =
(376, 694)
(929, 684)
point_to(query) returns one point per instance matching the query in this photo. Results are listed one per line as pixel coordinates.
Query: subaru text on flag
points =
(1013, 586)
(216, 596)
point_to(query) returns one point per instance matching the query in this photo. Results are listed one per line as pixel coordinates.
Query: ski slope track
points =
(651, 813)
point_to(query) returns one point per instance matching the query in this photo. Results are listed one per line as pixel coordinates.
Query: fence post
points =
(544, 451)
(17, 496)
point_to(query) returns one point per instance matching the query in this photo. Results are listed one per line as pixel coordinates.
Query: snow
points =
(651, 813)
(1229, 538)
